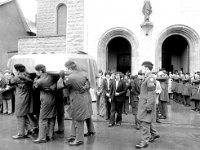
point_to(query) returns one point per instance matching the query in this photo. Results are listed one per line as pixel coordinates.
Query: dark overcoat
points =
(80, 98)
(23, 94)
(47, 86)
(147, 100)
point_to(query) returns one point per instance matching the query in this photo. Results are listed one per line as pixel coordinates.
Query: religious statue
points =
(147, 10)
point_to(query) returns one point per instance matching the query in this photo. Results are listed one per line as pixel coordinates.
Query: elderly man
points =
(147, 106)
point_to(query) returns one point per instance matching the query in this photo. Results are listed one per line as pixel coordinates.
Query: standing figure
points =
(23, 97)
(186, 90)
(164, 97)
(100, 100)
(106, 89)
(118, 90)
(134, 95)
(80, 102)
(46, 83)
(147, 106)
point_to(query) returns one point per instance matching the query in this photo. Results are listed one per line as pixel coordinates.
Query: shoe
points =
(18, 136)
(137, 127)
(49, 138)
(59, 132)
(110, 125)
(118, 124)
(76, 143)
(158, 121)
(107, 118)
(152, 139)
(89, 134)
(70, 139)
(37, 141)
(162, 117)
(141, 145)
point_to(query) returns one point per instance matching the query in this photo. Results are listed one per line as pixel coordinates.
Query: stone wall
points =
(46, 44)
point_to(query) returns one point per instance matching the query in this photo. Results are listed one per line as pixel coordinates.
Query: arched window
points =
(61, 19)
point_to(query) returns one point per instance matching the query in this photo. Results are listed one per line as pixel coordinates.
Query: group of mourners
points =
(40, 97)
(39, 102)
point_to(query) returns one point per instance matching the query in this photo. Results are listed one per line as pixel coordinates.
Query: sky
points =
(29, 8)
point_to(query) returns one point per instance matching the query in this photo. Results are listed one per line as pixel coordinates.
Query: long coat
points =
(47, 86)
(164, 85)
(147, 100)
(80, 98)
(135, 90)
(195, 90)
(187, 88)
(23, 94)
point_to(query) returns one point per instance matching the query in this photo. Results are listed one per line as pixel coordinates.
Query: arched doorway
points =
(118, 47)
(178, 47)
(119, 55)
(175, 53)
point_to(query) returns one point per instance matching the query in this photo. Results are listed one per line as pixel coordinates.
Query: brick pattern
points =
(47, 44)
(75, 25)
(47, 16)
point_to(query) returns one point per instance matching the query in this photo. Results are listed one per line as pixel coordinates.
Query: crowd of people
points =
(39, 100)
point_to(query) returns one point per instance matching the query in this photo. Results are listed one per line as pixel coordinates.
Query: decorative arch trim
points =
(107, 37)
(192, 38)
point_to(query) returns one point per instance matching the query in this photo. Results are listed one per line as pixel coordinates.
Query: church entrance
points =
(119, 55)
(175, 53)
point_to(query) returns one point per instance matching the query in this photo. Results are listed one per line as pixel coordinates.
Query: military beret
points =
(20, 67)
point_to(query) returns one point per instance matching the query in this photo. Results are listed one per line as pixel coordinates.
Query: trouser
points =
(163, 108)
(90, 125)
(60, 116)
(157, 111)
(126, 105)
(97, 102)
(197, 104)
(180, 100)
(7, 106)
(46, 128)
(33, 121)
(148, 130)
(186, 99)
(116, 107)
(23, 125)
(108, 107)
(175, 96)
(77, 130)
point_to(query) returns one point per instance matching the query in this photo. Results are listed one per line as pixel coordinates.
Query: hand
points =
(107, 94)
(109, 100)
(149, 110)
(116, 94)
(62, 74)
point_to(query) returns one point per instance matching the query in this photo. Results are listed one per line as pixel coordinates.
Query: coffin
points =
(55, 62)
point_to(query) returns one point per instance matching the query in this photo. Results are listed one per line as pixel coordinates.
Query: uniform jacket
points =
(80, 98)
(147, 100)
(121, 89)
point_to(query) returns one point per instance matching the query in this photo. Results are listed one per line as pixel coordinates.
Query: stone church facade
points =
(110, 31)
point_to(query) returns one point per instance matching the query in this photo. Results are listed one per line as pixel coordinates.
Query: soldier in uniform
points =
(195, 92)
(147, 106)
(23, 93)
(46, 83)
(80, 102)
(186, 90)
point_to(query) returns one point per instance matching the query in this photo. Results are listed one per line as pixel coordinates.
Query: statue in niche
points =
(147, 10)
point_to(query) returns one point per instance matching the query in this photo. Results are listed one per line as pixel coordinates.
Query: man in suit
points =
(147, 106)
(118, 90)
(99, 89)
(106, 87)
(164, 97)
